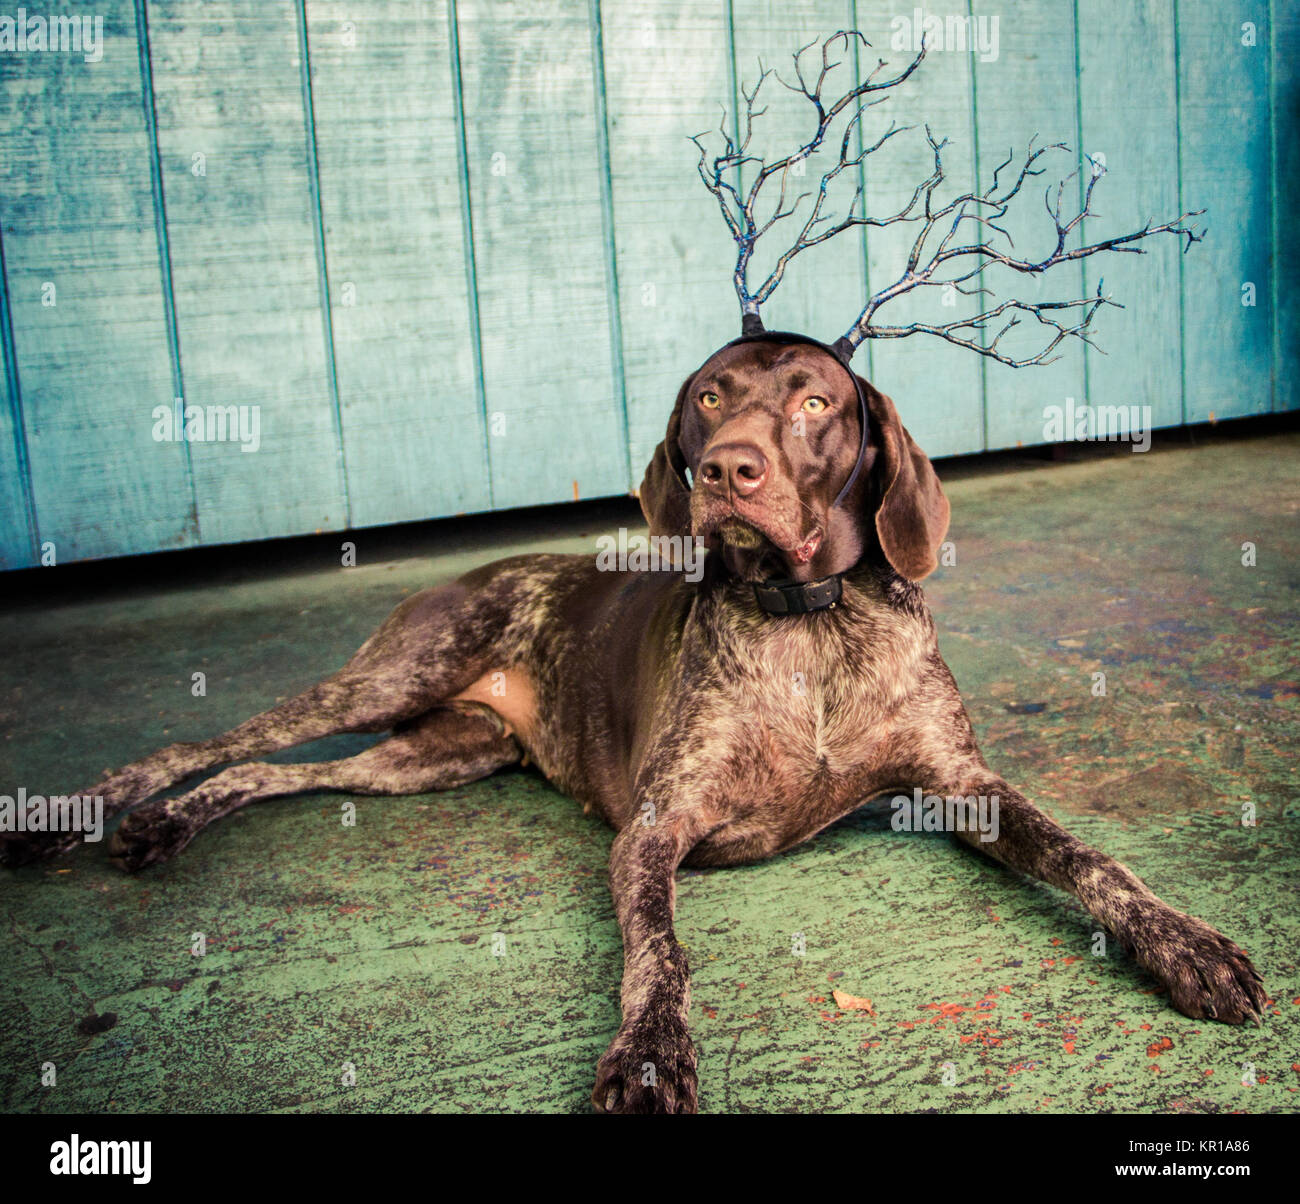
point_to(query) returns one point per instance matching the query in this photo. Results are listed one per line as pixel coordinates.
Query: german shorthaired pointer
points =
(709, 723)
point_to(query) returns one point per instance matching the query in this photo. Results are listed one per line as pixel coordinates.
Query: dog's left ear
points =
(912, 517)
(665, 500)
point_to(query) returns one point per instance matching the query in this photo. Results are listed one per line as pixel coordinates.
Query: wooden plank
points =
(17, 523)
(1129, 108)
(16, 545)
(938, 387)
(823, 289)
(390, 195)
(248, 299)
(1285, 79)
(77, 213)
(667, 75)
(1226, 153)
(555, 428)
(1028, 92)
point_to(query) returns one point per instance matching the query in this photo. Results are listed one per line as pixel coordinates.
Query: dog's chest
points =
(800, 726)
(812, 710)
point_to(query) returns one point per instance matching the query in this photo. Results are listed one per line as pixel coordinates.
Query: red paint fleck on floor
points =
(1159, 1047)
(955, 1012)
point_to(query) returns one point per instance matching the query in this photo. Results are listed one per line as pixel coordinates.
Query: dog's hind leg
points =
(448, 747)
(431, 646)
(1205, 973)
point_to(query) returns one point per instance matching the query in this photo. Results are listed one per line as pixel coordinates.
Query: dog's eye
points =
(814, 405)
(709, 401)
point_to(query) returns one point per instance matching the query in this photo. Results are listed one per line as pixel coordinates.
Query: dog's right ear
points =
(665, 500)
(912, 514)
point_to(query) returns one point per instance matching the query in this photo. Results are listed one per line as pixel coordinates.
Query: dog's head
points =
(770, 433)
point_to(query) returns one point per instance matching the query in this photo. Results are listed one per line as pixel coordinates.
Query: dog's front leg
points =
(1205, 973)
(650, 1067)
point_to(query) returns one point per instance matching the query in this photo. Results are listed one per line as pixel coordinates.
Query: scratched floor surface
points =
(457, 952)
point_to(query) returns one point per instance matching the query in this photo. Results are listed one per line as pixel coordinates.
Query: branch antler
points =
(961, 256)
(954, 266)
(740, 211)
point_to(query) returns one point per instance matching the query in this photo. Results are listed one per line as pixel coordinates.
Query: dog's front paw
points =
(24, 848)
(150, 834)
(1207, 975)
(650, 1068)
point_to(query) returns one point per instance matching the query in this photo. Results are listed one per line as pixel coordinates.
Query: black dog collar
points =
(798, 597)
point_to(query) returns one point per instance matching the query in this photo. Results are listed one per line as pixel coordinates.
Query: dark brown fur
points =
(699, 727)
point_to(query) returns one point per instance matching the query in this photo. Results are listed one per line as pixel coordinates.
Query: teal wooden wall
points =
(456, 251)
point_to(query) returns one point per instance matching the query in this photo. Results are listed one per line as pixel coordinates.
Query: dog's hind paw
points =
(149, 835)
(650, 1068)
(1207, 975)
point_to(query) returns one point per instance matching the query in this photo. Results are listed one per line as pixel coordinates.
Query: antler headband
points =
(966, 227)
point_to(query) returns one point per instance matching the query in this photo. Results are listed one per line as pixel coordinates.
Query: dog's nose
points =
(738, 468)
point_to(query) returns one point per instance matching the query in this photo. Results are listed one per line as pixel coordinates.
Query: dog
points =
(709, 723)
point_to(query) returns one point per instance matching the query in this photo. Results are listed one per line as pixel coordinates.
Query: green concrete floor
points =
(374, 945)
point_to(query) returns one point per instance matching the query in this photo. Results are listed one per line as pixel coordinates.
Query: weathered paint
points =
(554, 425)
(228, 88)
(17, 515)
(84, 295)
(413, 429)
(1223, 97)
(1285, 100)
(1128, 107)
(938, 387)
(1035, 58)
(666, 70)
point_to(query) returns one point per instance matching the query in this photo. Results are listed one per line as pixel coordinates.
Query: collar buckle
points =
(785, 597)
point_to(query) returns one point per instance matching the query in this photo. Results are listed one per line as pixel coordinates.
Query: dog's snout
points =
(734, 468)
